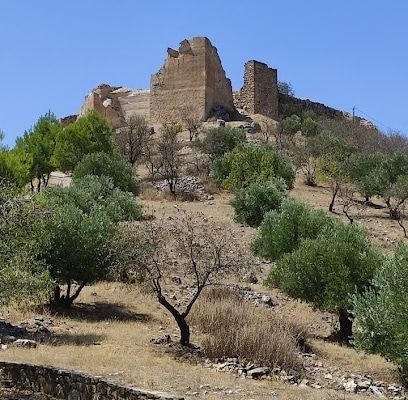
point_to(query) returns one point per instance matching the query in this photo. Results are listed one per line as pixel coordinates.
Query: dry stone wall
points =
(69, 385)
(259, 94)
(192, 79)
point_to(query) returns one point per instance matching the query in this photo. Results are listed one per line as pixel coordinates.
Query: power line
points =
(371, 118)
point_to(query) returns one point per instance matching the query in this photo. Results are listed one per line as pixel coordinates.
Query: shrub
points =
(235, 328)
(282, 231)
(221, 140)
(248, 164)
(327, 270)
(382, 312)
(113, 166)
(251, 204)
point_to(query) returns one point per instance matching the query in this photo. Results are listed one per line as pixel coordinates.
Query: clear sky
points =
(342, 53)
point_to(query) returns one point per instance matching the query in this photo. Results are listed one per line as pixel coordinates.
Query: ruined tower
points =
(259, 94)
(192, 79)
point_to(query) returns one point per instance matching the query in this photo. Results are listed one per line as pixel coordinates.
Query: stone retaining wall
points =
(69, 385)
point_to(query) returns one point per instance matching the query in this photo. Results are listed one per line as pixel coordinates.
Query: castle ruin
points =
(192, 79)
(259, 94)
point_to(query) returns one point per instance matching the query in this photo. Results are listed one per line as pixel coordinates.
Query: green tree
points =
(111, 165)
(247, 164)
(332, 162)
(83, 224)
(327, 270)
(220, 140)
(382, 312)
(367, 171)
(90, 133)
(36, 148)
(13, 167)
(285, 88)
(283, 230)
(24, 277)
(252, 203)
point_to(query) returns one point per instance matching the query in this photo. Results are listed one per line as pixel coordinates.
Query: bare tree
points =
(348, 199)
(192, 121)
(267, 128)
(185, 248)
(131, 139)
(162, 155)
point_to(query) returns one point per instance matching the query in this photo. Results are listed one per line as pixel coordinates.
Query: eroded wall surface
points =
(192, 79)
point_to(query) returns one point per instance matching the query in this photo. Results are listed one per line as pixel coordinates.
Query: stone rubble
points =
(315, 375)
(188, 184)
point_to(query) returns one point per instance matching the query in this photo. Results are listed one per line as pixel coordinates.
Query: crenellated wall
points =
(70, 385)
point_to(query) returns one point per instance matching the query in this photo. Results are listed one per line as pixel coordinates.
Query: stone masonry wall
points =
(102, 100)
(69, 385)
(192, 78)
(259, 94)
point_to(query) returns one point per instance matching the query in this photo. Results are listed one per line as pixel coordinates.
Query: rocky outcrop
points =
(191, 80)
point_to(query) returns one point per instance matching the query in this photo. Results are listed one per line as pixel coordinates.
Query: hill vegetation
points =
(108, 227)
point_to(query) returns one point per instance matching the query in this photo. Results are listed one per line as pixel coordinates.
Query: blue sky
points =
(341, 53)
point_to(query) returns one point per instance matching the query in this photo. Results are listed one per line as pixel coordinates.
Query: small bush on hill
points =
(113, 166)
(252, 203)
(221, 140)
(248, 164)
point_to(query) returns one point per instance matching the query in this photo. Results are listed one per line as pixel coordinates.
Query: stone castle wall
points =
(104, 102)
(69, 385)
(192, 79)
(259, 94)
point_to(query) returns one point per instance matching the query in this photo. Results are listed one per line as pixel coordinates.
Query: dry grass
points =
(109, 330)
(239, 329)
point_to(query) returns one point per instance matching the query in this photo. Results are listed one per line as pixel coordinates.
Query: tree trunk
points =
(346, 326)
(65, 301)
(180, 319)
(345, 212)
(335, 191)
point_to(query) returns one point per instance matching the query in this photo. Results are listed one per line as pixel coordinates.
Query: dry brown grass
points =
(109, 330)
(239, 329)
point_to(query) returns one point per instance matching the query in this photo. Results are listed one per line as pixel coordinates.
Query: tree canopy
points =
(90, 133)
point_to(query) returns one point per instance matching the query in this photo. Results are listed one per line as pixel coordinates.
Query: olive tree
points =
(252, 203)
(247, 164)
(382, 312)
(189, 247)
(112, 165)
(282, 230)
(85, 217)
(220, 140)
(24, 277)
(328, 270)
